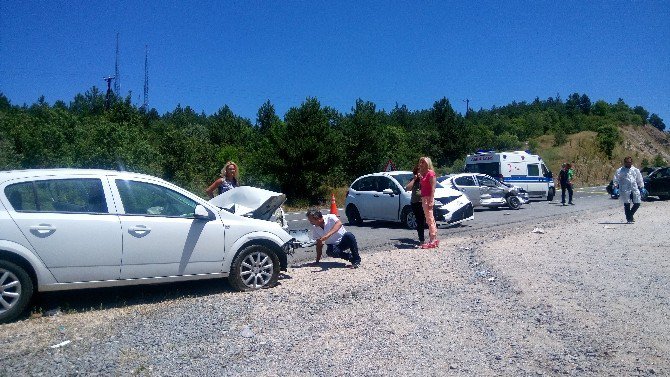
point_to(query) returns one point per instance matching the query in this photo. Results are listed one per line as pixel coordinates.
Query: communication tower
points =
(146, 77)
(117, 76)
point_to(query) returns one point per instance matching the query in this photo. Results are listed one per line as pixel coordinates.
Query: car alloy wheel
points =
(408, 218)
(514, 202)
(15, 291)
(255, 267)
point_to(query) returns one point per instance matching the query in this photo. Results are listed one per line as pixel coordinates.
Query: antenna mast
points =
(145, 104)
(117, 77)
(108, 97)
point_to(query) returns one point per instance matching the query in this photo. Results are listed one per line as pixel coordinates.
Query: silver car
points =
(74, 228)
(485, 191)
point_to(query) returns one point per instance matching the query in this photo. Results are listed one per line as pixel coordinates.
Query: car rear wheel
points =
(254, 267)
(408, 218)
(16, 289)
(353, 216)
(513, 202)
(551, 194)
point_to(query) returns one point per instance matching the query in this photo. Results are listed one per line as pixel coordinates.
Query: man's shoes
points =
(355, 265)
(571, 203)
(564, 204)
(420, 246)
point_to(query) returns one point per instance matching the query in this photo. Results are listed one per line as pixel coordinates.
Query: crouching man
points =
(329, 230)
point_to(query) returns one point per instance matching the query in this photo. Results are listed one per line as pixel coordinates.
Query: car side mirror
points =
(202, 213)
(387, 191)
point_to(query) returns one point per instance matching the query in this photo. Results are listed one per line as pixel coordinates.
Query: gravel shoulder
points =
(587, 296)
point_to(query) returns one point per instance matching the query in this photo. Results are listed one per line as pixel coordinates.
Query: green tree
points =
(642, 112)
(656, 121)
(364, 137)
(305, 152)
(608, 137)
(601, 108)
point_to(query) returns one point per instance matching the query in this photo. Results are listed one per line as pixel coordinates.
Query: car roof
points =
(386, 173)
(7, 175)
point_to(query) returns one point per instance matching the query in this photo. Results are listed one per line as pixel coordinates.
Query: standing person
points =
(428, 182)
(414, 185)
(629, 181)
(329, 230)
(571, 177)
(229, 179)
(565, 183)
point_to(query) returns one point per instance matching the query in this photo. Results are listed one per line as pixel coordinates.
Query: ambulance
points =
(518, 168)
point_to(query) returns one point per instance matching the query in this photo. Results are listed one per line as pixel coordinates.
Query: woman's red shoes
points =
(431, 245)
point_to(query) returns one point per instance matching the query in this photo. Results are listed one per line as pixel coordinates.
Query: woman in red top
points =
(428, 182)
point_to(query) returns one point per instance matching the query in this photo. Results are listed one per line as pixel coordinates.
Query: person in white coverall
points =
(629, 181)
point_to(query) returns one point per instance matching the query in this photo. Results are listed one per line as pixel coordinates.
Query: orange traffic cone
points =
(333, 206)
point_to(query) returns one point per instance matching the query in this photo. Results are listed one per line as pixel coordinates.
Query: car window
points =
(487, 181)
(141, 198)
(79, 195)
(490, 168)
(403, 179)
(365, 184)
(384, 183)
(465, 180)
(533, 170)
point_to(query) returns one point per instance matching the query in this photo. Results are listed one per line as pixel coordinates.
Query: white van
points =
(519, 168)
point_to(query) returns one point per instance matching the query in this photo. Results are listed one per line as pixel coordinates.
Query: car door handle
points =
(139, 230)
(42, 230)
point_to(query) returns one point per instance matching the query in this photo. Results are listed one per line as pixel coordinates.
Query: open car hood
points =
(250, 202)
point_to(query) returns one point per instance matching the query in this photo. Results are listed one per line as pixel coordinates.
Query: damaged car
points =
(382, 196)
(485, 191)
(63, 229)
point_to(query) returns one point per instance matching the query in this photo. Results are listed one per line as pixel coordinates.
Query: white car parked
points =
(74, 228)
(382, 196)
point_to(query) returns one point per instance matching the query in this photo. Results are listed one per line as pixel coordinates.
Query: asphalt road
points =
(381, 235)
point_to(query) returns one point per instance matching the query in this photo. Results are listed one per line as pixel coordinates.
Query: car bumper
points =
(461, 214)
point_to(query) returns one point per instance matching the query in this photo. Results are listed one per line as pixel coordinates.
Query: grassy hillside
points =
(592, 166)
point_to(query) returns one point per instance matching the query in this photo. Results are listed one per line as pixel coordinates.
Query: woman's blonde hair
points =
(429, 163)
(225, 167)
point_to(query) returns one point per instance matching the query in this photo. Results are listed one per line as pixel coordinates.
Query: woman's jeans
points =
(427, 203)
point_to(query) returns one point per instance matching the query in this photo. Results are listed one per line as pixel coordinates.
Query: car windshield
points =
(403, 179)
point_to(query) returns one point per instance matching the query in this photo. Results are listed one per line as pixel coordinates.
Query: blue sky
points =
(243, 53)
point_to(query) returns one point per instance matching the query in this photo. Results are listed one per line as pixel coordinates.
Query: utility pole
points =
(117, 76)
(467, 106)
(145, 103)
(108, 97)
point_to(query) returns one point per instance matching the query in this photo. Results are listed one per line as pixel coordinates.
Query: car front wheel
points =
(513, 202)
(408, 218)
(254, 267)
(16, 289)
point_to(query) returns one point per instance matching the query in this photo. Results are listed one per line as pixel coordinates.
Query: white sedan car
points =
(382, 196)
(74, 228)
